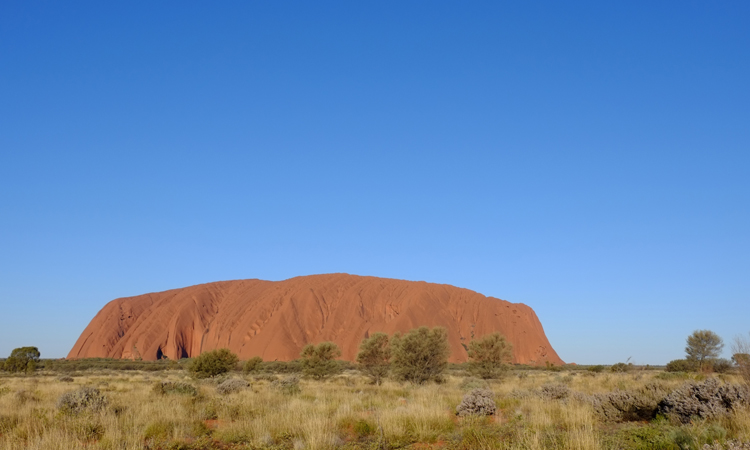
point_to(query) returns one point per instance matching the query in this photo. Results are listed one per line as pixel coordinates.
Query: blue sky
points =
(587, 159)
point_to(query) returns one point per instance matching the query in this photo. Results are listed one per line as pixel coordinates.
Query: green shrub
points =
(319, 361)
(374, 357)
(489, 356)
(596, 369)
(281, 366)
(252, 364)
(211, 364)
(420, 355)
(681, 365)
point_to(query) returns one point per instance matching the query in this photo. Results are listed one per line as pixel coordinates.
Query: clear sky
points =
(588, 159)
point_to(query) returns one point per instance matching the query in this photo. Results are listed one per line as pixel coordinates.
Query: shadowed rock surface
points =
(274, 320)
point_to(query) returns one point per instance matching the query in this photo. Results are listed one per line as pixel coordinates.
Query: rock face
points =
(274, 320)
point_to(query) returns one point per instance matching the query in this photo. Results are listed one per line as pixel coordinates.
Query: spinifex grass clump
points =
(174, 387)
(288, 385)
(478, 402)
(85, 399)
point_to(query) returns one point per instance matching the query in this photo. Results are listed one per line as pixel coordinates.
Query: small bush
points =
(478, 402)
(641, 404)
(703, 400)
(252, 365)
(211, 364)
(554, 391)
(65, 379)
(319, 361)
(721, 365)
(471, 383)
(265, 377)
(681, 365)
(489, 356)
(596, 369)
(621, 367)
(374, 357)
(420, 355)
(85, 399)
(231, 386)
(288, 385)
(175, 388)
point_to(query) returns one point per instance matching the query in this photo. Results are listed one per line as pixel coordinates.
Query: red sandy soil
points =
(274, 320)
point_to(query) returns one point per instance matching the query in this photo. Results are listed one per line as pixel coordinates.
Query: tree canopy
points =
(703, 346)
(22, 359)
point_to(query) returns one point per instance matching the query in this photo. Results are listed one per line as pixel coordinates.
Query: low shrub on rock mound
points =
(86, 399)
(478, 402)
(703, 400)
(231, 386)
(174, 387)
(640, 404)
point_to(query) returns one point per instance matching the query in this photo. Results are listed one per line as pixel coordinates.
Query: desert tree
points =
(703, 346)
(488, 356)
(374, 356)
(213, 363)
(741, 356)
(22, 359)
(319, 361)
(420, 355)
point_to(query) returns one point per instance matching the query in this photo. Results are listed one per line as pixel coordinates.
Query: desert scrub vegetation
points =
(542, 410)
(213, 363)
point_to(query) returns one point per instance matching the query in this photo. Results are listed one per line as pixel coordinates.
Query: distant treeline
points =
(278, 367)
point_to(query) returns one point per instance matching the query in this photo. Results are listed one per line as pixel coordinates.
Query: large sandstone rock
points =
(275, 320)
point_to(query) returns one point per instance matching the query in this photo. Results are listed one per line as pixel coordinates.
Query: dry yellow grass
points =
(345, 412)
